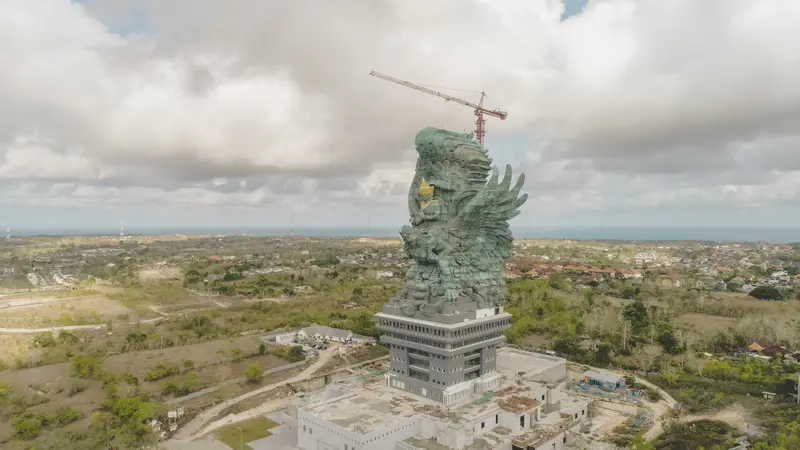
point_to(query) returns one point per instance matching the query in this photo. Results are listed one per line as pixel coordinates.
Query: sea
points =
(714, 234)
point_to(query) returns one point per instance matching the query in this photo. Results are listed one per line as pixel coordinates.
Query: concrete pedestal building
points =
(447, 358)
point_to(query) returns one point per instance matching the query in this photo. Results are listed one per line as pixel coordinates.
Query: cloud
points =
(633, 105)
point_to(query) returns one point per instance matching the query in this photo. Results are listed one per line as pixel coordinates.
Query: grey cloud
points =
(673, 98)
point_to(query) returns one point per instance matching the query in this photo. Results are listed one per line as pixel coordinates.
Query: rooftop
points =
(512, 362)
(371, 405)
(602, 376)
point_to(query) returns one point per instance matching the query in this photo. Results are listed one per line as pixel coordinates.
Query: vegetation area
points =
(665, 326)
(238, 435)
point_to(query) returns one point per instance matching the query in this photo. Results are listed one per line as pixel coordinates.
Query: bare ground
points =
(707, 322)
(68, 311)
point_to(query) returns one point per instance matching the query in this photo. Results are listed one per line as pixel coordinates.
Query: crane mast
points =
(480, 111)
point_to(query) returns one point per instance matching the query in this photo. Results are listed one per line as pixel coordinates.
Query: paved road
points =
(191, 429)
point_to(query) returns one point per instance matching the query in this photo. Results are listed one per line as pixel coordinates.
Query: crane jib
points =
(480, 130)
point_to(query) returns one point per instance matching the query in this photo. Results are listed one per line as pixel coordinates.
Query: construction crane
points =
(480, 122)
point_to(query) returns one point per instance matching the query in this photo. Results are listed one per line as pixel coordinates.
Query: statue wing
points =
(490, 208)
(495, 203)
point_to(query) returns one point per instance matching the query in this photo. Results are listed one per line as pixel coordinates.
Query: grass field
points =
(707, 322)
(237, 436)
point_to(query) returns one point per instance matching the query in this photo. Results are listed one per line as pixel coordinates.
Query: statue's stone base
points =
(452, 313)
(446, 356)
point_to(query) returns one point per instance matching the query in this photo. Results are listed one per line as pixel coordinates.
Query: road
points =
(659, 409)
(191, 429)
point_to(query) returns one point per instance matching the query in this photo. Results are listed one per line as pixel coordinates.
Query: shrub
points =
(162, 370)
(67, 415)
(291, 354)
(254, 372)
(28, 428)
(77, 387)
(87, 367)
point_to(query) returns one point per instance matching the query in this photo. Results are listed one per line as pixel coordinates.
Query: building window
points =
(304, 428)
(483, 425)
(497, 418)
(564, 439)
(522, 421)
(310, 431)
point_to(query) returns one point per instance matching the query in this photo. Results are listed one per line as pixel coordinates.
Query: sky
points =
(252, 113)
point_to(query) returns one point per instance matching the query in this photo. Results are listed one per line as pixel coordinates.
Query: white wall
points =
(558, 440)
(319, 434)
(316, 434)
(552, 374)
(487, 312)
(285, 339)
(387, 437)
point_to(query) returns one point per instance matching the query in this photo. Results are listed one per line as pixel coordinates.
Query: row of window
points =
(445, 333)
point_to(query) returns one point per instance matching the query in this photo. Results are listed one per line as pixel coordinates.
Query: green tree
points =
(192, 276)
(364, 324)
(637, 314)
(602, 356)
(766, 293)
(254, 372)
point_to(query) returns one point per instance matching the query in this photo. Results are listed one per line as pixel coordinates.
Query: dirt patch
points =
(535, 341)
(13, 346)
(734, 415)
(165, 273)
(69, 311)
(203, 354)
(707, 322)
(744, 301)
(55, 384)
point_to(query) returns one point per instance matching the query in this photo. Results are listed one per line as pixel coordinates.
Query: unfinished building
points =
(521, 405)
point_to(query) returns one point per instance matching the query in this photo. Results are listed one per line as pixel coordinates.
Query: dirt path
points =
(231, 381)
(97, 326)
(196, 425)
(660, 408)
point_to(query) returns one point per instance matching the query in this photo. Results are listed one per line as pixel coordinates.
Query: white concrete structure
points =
(323, 333)
(518, 408)
(286, 338)
(319, 333)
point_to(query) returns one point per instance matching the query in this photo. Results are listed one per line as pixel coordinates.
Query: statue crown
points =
(425, 189)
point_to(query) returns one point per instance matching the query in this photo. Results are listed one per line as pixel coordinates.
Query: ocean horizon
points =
(715, 234)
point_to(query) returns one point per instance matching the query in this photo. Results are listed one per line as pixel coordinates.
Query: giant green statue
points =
(459, 236)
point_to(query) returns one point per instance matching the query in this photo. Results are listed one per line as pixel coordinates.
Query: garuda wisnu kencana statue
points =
(459, 236)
